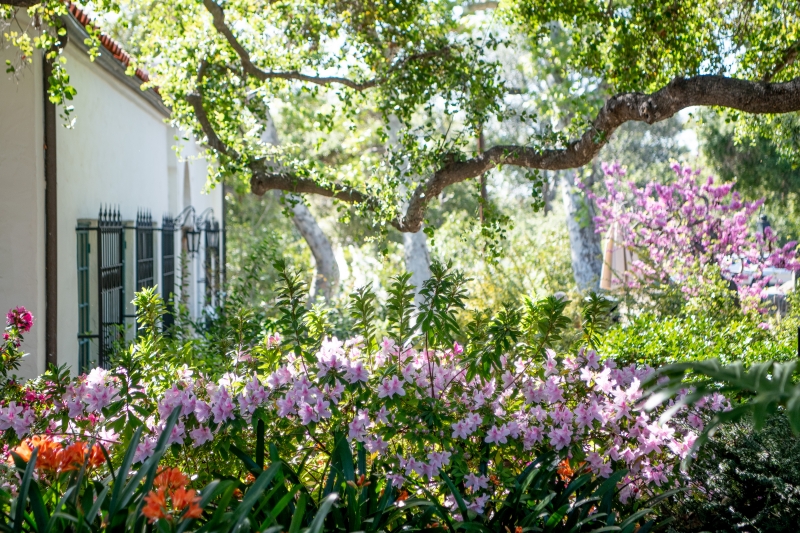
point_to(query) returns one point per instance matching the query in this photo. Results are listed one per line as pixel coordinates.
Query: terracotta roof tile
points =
(108, 43)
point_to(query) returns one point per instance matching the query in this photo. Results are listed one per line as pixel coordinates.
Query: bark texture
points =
(418, 260)
(326, 269)
(587, 261)
(20, 3)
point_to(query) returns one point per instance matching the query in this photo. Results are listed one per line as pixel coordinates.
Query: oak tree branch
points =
(720, 91)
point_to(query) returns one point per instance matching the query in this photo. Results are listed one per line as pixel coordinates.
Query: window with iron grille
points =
(212, 261)
(168, 267)
(111, 286)
(145, 260)
(85, 362)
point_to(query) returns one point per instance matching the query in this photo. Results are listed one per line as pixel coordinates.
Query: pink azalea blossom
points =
(560, 437)
(200, 436)
(476, 483)
(390, 387)
(497, 435)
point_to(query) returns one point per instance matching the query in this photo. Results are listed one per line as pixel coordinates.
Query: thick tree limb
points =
(481, 6)
(742, 95)
(747, 96)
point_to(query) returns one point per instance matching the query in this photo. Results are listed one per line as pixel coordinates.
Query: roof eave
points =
(77, 35)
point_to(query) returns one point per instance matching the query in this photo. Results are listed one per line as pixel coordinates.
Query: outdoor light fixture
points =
(193, 240)
(187, 221)
(193, 226)
(212, 233)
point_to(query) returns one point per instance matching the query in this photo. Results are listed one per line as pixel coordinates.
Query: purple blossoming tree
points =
(675, 231)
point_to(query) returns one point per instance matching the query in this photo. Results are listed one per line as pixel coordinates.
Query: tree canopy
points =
(385, 102)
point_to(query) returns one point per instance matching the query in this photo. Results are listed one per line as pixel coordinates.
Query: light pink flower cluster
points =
(579, 406)
(91, 393)
(419, 412)
(18, 418)
(676, 228)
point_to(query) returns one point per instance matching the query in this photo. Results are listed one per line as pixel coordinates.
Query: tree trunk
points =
(587, 261)
(415, 245)
(326, 270)
(418, 260)
(20, 3)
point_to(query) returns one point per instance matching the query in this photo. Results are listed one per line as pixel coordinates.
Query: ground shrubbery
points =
(744, 480)
(484, 422)
(390, 415)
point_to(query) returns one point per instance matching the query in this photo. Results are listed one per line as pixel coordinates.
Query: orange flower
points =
(24, 451)
(250, 478)
(156, 505)
(72, 457)
(402, 496)
(96, 457)
(170, 478)
(189, 500)
(49, 454)
(564, 470)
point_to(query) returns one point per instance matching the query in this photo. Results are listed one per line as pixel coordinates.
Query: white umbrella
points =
(616, 259)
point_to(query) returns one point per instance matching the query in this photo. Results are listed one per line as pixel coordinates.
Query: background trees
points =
(399, 114)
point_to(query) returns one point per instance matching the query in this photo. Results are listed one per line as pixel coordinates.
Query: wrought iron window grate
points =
(111, 279)
(168, 228)
(145, 260)
(85, 337)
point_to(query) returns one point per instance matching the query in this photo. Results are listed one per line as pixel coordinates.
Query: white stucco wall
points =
(120, 153)
(22, 203)
(114, 155)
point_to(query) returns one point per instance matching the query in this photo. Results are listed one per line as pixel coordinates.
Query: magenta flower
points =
(20, 318)
(672, 231)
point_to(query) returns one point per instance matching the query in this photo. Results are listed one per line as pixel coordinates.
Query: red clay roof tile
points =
(108, 43)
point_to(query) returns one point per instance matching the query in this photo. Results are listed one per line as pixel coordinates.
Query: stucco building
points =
(90, 213)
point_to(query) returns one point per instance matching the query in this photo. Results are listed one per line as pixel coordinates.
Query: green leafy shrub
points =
(455, 415)
(744, 480)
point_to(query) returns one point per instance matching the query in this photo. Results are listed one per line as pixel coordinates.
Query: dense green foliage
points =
(747, 481)
(709, 325)
(380, 96)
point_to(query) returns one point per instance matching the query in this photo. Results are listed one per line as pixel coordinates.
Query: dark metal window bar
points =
(145, 259)
(168, 228)
(111, 276)
(84, 334)
(212, 262)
